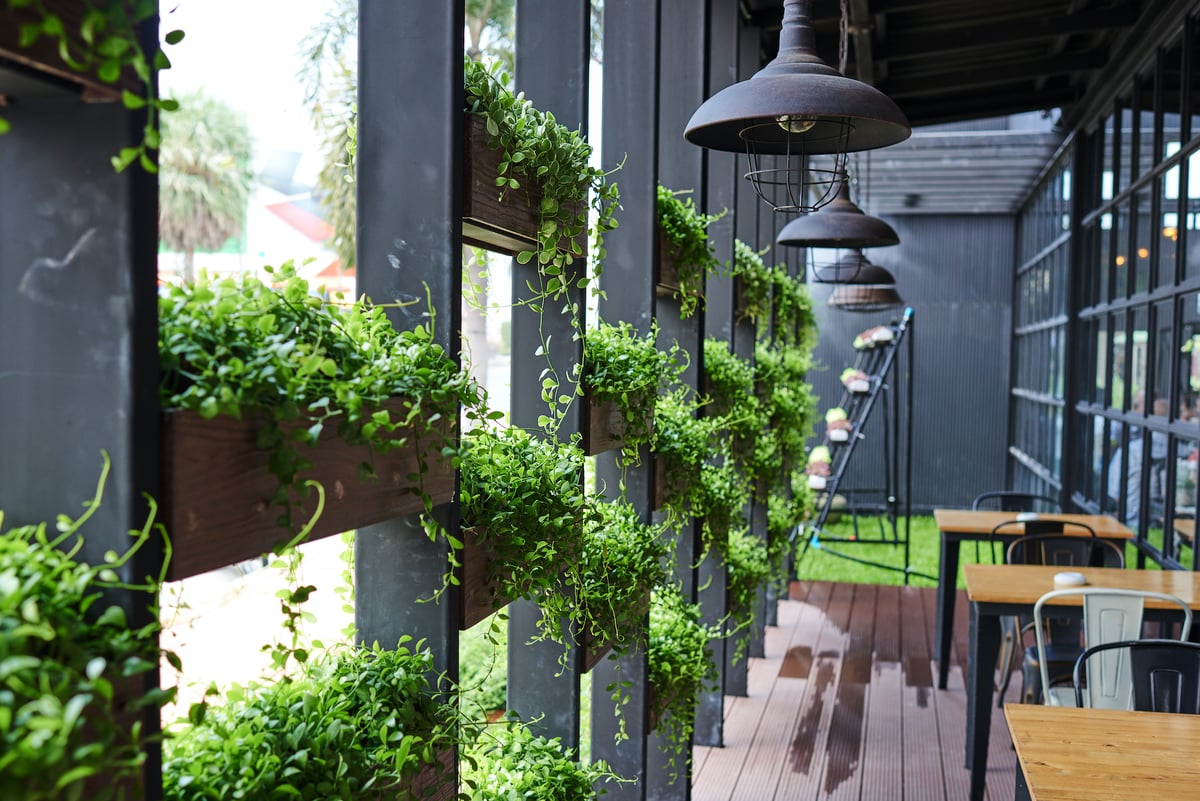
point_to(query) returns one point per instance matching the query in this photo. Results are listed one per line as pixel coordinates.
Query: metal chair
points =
(1109, 615)
(1046, 542)
(1165, 676)
(1012, 501)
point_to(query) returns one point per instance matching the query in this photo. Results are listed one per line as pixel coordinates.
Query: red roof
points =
(303, 221)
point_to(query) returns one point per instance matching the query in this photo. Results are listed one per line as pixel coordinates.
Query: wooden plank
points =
(843, 776)
(768, 753)
(922, 753)
(807, 755)
(218, 488)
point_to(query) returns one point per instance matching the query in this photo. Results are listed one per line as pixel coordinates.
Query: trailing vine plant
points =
(537, 151)
(680, 668)
(749, 568)
(239, 348)
(105, 43)
(512, 762)
(686, 231)
(71, 667)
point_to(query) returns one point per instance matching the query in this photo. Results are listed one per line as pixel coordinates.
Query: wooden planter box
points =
(606, 426)
(43, 54)
(480, 592)
(434, 782)
(505, 226)
(593, 647)
(666, 269)
(664, 487)
(217, 489)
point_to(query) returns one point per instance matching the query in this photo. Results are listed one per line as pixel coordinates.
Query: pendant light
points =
(841, 224)
(795, 107)
(862, 285)
(860, 298)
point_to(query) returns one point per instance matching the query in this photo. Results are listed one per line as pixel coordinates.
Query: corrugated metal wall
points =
(956, 274)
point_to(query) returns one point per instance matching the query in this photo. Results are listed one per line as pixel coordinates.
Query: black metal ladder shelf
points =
(887, 377)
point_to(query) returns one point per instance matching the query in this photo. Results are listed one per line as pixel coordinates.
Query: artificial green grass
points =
(821, 563)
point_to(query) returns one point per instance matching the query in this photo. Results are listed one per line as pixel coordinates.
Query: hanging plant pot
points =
(667, 270)
(607, 426)
(596, 646)
(481, 591)
(44, 56)
(218, 487)
(505, 223)
(434, 782)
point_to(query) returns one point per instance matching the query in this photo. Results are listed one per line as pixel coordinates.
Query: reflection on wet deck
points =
(843, 706)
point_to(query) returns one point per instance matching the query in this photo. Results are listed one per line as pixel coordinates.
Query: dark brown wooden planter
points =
(507, 225)
(217, 488)
(664, 486)
(666, 270)
(43, 54)
(480, 591)
(606, 426)
(594, 647)
(434, 782)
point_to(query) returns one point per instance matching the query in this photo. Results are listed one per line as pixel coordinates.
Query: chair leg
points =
(1005, 661)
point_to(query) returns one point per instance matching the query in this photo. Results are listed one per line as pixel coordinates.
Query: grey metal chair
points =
(1109, 615)
(1165, 676)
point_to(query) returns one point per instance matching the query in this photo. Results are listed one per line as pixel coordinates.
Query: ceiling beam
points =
(861, 27)
(899, 87)
(973, 106)
(901, 45)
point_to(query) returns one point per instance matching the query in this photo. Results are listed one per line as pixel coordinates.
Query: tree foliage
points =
(205, 177)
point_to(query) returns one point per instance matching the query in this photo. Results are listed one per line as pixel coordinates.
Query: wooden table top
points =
(1019, 584)
(1070, 754)
(1185, 527)
(970, 521)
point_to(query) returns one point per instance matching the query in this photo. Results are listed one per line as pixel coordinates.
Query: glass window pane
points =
(1124, 144)
(1194, 58)
(1189, 354)
(1145, 121)
(1190, 221)
(1164, 345)
(1168, 228)
(1116, 325)
(1138, 355)
(1100, 386)
(1090, 458)
(1120, 285)
(1143, 225)
(1172, 92)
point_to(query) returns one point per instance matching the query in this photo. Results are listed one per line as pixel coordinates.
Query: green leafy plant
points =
(71, 667)
(105, 44)
(774, 301)
(754, 283)
(730, 385)
(629, 370)
(511, 762)
(483, 669)
(538, 150)
(681, 667)
(358, 721)
(623, 559)
(684, 443)
(749, 569)
(686, 229)
(788, 404)
(240, 348)
(786, 511)
(524, 497)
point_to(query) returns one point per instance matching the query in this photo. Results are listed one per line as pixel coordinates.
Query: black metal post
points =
(410, 248)
(552, 63)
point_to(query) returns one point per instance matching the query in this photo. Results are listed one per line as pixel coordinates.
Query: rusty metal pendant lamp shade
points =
(862, 286)
(840, 224)
(796, 107)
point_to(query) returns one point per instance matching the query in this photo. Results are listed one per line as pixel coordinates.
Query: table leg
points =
(981, 658)
(947, 579)
(1022, 793)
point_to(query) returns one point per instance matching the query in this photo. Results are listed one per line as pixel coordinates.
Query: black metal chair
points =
(1012, 501)
(1165, 675)
(1046, 542)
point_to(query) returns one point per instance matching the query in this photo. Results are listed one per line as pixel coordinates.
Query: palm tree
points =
(204, 176)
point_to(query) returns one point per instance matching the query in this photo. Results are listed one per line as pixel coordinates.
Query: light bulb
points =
(1143, 253)
(795, 124)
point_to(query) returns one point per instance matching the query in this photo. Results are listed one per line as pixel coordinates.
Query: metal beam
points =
(861, 28)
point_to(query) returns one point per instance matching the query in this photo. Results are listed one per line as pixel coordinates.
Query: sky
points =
(247, 53)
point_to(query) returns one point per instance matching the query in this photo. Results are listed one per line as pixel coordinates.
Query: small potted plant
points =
(622, 375)
(879, 335)
(681, 667)
(818, 468)
(685, 253)
(855, 380)
(623, 559)
(508, 761)
(837, 425)
(683, 443)
(522, 506)
(358, 722)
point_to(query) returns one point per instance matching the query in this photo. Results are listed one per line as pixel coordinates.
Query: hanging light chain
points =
(843, 36)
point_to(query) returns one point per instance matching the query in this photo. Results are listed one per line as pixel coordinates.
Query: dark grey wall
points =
(956, 274)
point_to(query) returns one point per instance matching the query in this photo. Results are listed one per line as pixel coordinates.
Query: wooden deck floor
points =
(844, 706)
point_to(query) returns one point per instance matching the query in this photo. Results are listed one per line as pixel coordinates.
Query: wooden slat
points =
(922, 752)
(843, 779)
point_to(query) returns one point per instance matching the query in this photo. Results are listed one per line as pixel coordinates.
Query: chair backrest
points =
(1109, 615)
(1062, 550)
(1165, 674)
(1011, 501)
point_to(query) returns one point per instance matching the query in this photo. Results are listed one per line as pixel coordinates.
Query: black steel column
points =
(552, 61)
(748, 209)
(410, 242)
(630, 134)
(682, 60)
(721, 178)
(78, 329)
